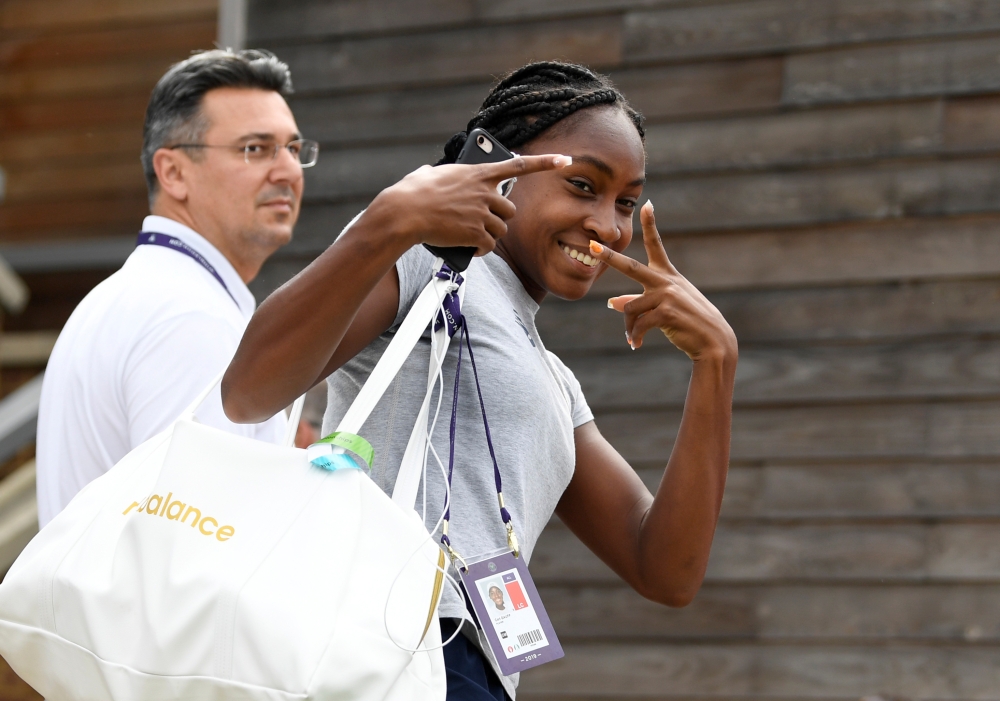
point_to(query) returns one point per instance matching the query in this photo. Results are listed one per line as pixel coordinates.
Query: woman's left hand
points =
(669, 301)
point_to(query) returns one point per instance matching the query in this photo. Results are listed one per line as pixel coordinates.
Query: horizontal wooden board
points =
(476, 53)
(74, 113)
(917, 370)
(768, 26)
(718, 87)
(727, 202)
(42, 180)
(34, 14)
(658, 672)
(350, 173)
(435, 113)
(887, 312)
(274, 21)
(47, 148)
(823, 196)
(429, 114)
(72, 218)
(796, 553)
(863, 252)
(33, 49)
(795, 139)
(972, 123)
(864, 431)
(919, 489)
(776, 613)
(84, 79)
(892, 71)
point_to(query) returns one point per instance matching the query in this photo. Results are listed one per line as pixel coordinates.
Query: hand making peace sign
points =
(669, 301)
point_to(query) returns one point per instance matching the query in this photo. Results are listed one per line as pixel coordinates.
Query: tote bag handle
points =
(421, 314)
(293, 418)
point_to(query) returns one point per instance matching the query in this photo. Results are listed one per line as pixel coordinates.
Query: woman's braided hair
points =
(533, 98)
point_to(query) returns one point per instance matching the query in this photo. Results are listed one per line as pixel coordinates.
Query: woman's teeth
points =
(582, 257)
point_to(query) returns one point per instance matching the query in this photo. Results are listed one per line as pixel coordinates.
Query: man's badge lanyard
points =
(152, 238)
(500, 588)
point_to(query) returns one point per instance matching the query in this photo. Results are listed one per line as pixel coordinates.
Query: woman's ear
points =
(171, 171)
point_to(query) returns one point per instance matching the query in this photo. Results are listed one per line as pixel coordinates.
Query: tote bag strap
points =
(293, 417)
(422, 313)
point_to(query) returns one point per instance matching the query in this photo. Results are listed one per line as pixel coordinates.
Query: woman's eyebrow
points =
(605, 168)
(597, 163)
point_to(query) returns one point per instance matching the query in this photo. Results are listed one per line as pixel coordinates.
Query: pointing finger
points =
(523, 165)
(651, 239)
(625, 265)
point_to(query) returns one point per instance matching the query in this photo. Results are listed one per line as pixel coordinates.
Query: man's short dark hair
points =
(174, 112)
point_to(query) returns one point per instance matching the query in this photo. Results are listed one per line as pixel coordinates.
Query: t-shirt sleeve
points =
(579, 409)
(414, 269)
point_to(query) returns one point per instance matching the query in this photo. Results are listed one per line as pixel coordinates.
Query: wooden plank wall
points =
(75, 76)
(830, 173)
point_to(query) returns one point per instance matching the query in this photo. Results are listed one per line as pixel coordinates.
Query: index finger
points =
(625, 265)
(523, 165)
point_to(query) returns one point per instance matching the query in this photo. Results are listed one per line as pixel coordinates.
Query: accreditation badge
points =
(510, 612)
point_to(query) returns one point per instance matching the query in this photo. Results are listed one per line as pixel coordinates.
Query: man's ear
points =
(171, 166)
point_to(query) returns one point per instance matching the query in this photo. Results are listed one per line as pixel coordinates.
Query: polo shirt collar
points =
(240, 292)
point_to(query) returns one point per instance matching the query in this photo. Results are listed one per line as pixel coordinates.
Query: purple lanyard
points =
(456, 321)
(152, 238)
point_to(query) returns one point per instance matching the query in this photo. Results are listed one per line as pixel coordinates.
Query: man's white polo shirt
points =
(135, 352)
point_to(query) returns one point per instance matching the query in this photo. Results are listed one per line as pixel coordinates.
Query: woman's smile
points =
(580, 255)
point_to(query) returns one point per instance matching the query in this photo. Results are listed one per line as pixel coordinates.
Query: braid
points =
(531, 99)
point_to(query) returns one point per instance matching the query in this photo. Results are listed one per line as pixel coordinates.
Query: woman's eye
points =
(582, 185)
(630, 204)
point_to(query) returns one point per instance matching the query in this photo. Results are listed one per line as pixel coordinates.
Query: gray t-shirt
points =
(533, 403)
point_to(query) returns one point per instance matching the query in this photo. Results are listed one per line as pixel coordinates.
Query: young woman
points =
(566, 222)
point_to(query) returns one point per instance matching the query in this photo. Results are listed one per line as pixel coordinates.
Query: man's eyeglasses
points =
(305, 151)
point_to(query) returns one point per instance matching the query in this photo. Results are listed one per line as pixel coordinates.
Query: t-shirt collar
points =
(510, 283)
(241, 293)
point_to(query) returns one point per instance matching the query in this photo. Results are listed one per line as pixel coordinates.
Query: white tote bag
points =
(205, 565)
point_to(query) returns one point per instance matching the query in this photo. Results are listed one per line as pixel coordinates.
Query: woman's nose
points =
(603, 224)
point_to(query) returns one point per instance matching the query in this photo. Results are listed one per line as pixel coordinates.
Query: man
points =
(223, 161)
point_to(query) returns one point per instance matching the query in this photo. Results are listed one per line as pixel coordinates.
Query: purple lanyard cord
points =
(457, 321)
(152, 238)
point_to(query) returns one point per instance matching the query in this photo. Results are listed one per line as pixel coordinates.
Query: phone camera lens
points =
(484, 143)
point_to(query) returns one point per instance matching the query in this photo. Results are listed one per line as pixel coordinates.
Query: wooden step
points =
(811, 614)
(849, 432)
(917, 490)
(885, 312)
(657, 377)
(872, 553)
(765, 672)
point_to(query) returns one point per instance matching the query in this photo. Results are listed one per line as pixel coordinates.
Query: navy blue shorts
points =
(470, 676)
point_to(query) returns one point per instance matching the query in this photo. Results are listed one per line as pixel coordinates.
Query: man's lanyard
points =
(152, 238)
(457, 322)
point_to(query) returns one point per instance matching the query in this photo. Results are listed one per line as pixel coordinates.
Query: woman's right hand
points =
(454, 204)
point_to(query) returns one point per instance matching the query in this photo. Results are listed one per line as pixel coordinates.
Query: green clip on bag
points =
(206, 566)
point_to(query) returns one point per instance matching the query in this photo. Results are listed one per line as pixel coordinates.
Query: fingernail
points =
(610, 305)
(627, 339)
(650, 203)
(596, 247)
(563, 161)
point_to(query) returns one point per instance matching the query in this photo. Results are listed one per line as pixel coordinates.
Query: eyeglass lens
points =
(305, 151)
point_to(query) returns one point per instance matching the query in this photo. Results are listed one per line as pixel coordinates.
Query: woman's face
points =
(560, 211)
